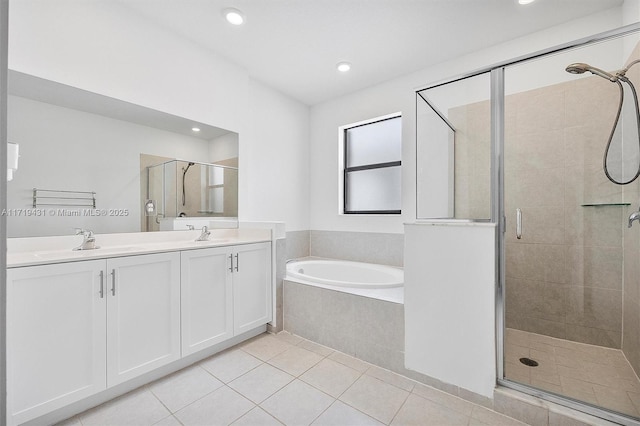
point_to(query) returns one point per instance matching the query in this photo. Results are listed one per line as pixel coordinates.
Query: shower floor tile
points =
(594, 374)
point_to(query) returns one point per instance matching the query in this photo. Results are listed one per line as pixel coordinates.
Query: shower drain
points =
(529, 362)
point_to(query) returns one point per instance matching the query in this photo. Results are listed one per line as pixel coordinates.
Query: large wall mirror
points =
(91, 161)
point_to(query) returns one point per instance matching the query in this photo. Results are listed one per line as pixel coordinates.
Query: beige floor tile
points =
(573, 373)
(289, 338)
(513, 353)
(295, 360)
(261, 382)
(544, 385)
(184, 387)
(517, 337)
(73, 421)
(616, 399)
(230, 365)
(350, 361)
(575, 385)
(220, 407)
(541, 375)
(256, 417)
(490, 417)
(297, 403)
(340, 414)
(444, 399)
(391, 378)
(265, 347)
(375, 398)
(635, 399)
(139, 407)
(169, 421)
(314, 347)
(331, 377)
(422, 412)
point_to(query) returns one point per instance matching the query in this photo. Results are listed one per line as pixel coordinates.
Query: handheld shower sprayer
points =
(184, 174)
(617, 77)
(581, 68)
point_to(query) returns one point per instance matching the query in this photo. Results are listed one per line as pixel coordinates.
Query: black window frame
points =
(346, 170)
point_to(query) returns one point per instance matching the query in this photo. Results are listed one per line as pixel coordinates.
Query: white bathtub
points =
(364, 279)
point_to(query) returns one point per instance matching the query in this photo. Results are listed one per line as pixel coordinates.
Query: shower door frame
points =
(498, 216)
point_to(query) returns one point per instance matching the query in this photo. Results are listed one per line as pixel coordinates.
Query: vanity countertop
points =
(47, 250)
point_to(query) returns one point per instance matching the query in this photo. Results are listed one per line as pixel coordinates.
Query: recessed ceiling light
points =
(195, 129)
(233, 16)
(343, 66)
(525, 1)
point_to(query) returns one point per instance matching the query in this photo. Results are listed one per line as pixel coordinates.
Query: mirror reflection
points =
(75, 142)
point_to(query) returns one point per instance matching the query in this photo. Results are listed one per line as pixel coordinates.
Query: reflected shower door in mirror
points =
(572, 281)
(188, 193)
(453, 147)
(74, 140)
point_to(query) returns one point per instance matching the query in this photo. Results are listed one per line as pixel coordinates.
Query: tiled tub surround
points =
(369, 247)
(369, 329)
(284, 379)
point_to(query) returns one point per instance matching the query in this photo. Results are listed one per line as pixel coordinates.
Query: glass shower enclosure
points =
(192, 189)
(526, 145)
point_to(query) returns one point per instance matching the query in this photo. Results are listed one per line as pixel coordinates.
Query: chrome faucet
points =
(634, 216)
(89, 242)
(205, 234)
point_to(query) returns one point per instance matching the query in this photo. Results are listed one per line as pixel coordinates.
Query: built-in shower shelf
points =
(604, 204)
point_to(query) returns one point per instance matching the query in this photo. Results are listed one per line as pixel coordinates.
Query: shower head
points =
(184, 170)
(580, 68)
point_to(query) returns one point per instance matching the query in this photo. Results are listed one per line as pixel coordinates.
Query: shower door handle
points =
(518, 223)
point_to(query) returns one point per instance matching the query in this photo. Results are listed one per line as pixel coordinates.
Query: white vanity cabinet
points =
(225, 292)
(56, 343)
(143, 314)
(74, 329)
(207, 299)
(252, 301)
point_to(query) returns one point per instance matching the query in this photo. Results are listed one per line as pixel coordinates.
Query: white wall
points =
(103, 47)
(275, 167)
(223, 147)
(450, 309)
(66, 149)
(399, 95)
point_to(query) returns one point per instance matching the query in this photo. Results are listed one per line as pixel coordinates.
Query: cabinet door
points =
(206, 302)
(56, 322)
(251, 286)
(143, 314)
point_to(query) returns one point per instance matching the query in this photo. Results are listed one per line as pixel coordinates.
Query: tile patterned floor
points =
(597, 375)
(283, 379)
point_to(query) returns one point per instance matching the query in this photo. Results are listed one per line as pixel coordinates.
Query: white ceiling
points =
(294, 45)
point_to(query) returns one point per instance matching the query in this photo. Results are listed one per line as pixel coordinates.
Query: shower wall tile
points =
(371, 247)
(631, 337)
(565, 276)
(595, 336)
(543, 110)
(603, 226)
(594, 308)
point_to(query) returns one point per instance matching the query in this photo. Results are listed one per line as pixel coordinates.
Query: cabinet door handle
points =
(518, 223)
(231, 259)
(101, 284)
(237, 261)
(113, 282)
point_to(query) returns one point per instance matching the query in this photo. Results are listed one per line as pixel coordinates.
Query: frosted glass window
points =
(372, 160)
(374, 143)
(374, 190)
